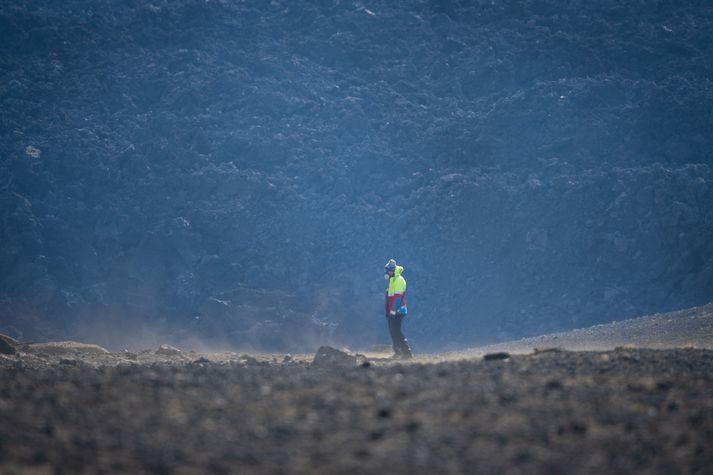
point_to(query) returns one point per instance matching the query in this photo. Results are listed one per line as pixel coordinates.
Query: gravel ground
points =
(71, 409)
(690, 328)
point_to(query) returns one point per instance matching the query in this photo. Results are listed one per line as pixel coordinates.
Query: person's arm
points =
(400, 303)
(391, 304)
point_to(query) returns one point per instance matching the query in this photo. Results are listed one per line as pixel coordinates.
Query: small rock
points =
(412, 426)
(496, 356)
(539, 351)
(33, 151)
(168, 350)
(129, 355)
(248, 360)
(328, 356)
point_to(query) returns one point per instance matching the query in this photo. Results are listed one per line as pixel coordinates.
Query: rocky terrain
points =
(238, 172)
(76, 408)
(692, 328)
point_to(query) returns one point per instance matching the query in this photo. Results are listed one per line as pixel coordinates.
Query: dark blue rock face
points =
(237, 173)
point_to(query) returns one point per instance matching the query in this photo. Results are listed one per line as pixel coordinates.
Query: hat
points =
(391, 265)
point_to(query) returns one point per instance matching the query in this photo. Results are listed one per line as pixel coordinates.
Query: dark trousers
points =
(397, 337)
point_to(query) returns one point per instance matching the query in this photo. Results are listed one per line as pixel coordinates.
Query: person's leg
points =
(399, 341)
(403, 343)
(394, 331)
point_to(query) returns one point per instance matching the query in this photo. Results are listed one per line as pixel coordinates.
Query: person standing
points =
(396, 308)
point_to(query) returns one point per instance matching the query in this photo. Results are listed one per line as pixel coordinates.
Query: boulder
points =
(8, 346)
(327, 356)
(64, 348)
(201, 361)
(168, 350)
(248, 360)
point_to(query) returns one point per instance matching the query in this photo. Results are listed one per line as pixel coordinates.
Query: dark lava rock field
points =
(626, 411)
(239, 172)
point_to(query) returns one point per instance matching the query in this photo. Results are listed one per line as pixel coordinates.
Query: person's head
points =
(390, 269)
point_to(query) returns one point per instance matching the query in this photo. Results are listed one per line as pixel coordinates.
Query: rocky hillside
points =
(239, 172)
